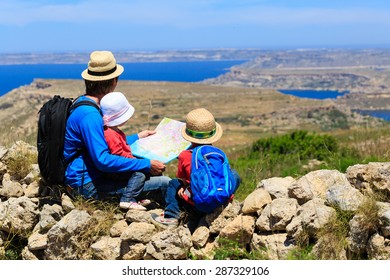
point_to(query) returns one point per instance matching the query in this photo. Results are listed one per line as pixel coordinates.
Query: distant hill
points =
(355, 71)
(132, 56)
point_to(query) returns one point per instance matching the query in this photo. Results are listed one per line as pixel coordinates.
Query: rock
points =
(277, 187)
(277, 215)
(138, 232)
(200, 236)
(32, 189)
(37, 241)
(218, 220)
(275, 246)
(344, 197)
(384, 218)
(11, 188)
(170, 244)
(137, 216)
(131, 251)
(64, 240)
(370, 178)
(378, 248)
(118, 228)
(205, 253)
(107, 248)
(358, 235)
(48, 217)
(18, 215)
(315, 185)
(310, 217)
(256, 201)
(239, 230)
(67, 203)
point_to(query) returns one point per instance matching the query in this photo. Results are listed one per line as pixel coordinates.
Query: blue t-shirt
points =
(84, 130)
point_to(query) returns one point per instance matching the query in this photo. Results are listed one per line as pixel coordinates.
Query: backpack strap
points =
(89, 102)
(76, 104)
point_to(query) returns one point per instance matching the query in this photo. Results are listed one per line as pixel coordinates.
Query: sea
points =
(315, 94)
(14, 76)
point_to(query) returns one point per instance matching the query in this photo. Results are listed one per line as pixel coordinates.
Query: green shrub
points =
(302, 143)
(288, 155)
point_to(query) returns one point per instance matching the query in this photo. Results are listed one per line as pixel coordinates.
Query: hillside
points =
(365, 74)
(246, 114)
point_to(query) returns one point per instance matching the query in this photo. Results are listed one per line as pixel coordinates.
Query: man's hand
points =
(146, 133)
(156, 167)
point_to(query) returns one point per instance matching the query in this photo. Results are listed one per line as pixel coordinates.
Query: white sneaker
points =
(131, 205)
(144, 202)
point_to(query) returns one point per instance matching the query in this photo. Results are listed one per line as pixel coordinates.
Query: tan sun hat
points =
(102, 66)
(201, 127)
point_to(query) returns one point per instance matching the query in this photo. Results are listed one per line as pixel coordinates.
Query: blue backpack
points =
(212, 182)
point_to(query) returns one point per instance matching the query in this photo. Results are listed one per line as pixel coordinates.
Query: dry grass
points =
(103, 217)
(332, 238)
(20, 164)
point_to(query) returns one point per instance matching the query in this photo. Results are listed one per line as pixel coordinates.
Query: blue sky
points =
(123, 25)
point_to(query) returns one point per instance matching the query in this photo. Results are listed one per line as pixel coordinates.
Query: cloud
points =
(183, 14)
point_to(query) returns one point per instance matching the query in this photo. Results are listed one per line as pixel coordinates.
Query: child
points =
(116, 112)
(200, 129)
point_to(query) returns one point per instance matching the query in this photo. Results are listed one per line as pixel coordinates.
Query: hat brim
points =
(86, 76)
(210, 140)
(123, 118)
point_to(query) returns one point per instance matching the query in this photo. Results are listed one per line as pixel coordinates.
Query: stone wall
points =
(278, 216)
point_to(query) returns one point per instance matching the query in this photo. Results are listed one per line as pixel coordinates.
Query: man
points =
(86, 148)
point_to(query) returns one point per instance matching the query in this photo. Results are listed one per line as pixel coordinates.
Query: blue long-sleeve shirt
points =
(84, 130)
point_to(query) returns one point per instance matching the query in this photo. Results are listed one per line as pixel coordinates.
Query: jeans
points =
(154, 188)
(174, 202)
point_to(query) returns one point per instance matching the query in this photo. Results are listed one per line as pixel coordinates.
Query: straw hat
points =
(115, 108)
(201, 127)
(102, 66)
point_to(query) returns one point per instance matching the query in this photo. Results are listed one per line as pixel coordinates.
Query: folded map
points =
(165, 145)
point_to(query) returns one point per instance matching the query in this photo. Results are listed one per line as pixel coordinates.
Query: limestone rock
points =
(118, 228)
(277, 187)
(315, 185)
(170, 244)
(310, 217)
(63, 238)
(107, 248)
(277, 215)
(138, 232)
(275, 246)
(200, 236)
(256, 201)
(239, 230)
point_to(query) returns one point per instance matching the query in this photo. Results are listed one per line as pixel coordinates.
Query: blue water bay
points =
(315, 94)
(382, 114)
(14, 76)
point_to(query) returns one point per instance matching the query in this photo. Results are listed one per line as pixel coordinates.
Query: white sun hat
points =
(116, 109)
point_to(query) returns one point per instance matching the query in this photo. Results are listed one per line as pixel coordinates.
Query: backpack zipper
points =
(205, 156)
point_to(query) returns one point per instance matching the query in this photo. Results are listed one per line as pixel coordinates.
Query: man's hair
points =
(98, 87)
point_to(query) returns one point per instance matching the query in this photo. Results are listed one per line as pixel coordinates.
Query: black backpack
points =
(51, 136)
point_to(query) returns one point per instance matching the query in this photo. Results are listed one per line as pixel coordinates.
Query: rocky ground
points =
(278, 217)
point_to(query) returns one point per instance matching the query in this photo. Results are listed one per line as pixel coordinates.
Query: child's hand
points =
(180, 192)
(146, 133)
